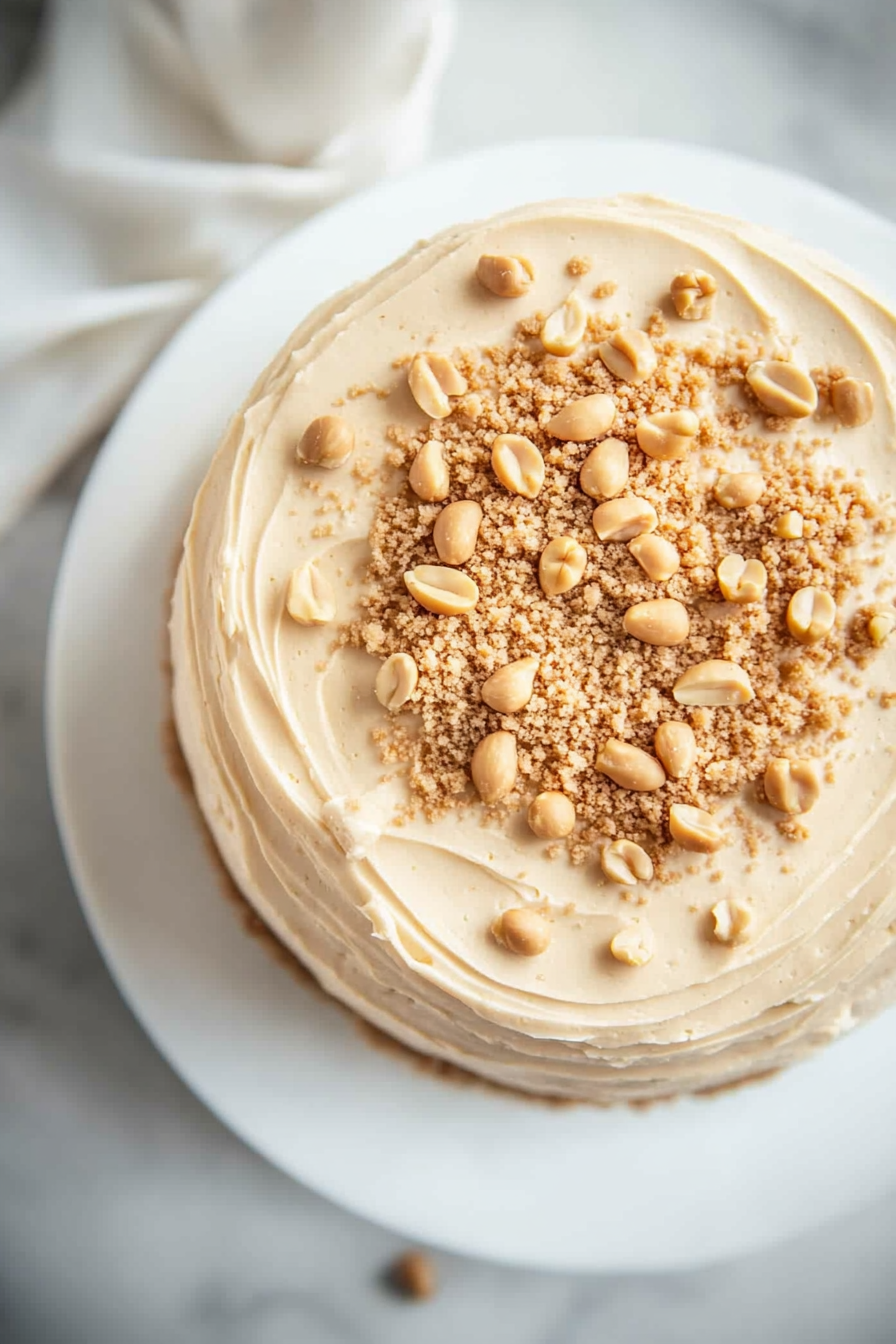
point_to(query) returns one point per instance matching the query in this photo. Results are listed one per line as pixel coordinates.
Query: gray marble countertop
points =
(127, 1212)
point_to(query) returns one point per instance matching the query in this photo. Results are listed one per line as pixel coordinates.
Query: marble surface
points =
(127, 1213)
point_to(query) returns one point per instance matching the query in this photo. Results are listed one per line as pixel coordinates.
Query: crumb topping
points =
(594, 682)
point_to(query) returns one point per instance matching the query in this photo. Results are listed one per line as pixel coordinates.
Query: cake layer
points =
(391, 903)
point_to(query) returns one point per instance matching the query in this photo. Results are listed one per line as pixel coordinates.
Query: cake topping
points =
(494, 766)
(604, 473)
(635, 944)
(667, 436)
(508, 277)
(676, 746)
(628, 354)
(658, 558)
(693, 294)
(623, 518)
(739, 489)
(432, 380)
(327, 442)
(441, 590)
(789, 527)
(561, 566)
(583, 419)
(564, 329)
(662, 621)
(625, 862)
(694, 828)
(396, 681)
(510, 688)
(713, 682)
(792, 786)
(310, 599)
(456, 531)
(732, 921)
(811, 613)
(428, 476)
(630, 767)
(612, 659)
(518, 464)
(853, 401)
(782, 388)
(742, 580)
(525, 932)
(551, 815)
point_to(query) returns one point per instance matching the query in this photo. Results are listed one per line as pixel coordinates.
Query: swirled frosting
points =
(392, 915)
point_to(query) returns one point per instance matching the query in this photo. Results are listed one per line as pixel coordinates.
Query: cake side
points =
(317, 796)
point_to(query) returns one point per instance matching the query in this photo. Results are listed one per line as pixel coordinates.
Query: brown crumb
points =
(577, 266)
(604, 290)
(413, 1276)
(593, 682)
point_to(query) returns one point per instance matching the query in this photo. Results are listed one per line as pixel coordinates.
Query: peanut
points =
(625, 862)
(428, 476)
(443, 591)
(518, 464)
(713, 682)
(667, 436)
(676, 746)
(629, 355)
(396, 681)
(694, 829)
(782, 388)
(586, 418)
(524, 932)
(630, 767)
(565, 327)
(623, 518)
(662, 621)
(456, 531)
(310, 599)
(561, 566)
(811, 613)
(508, 277)
(510, 688)
(551, 815)
(791, 786)
(494, 766)
(327, 442)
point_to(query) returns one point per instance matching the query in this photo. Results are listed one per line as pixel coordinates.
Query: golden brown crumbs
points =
(322, 530)
(364, 471)
(593, 683)
(793, 829)
(577, 266)
(605, 290)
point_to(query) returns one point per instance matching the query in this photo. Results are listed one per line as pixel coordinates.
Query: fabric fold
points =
(155, 147)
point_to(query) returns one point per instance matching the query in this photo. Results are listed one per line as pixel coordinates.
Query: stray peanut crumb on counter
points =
(413, 1276)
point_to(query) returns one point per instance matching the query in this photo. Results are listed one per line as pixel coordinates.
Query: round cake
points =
(533, 649)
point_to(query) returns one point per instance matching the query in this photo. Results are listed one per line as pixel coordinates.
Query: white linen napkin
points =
(154, 148)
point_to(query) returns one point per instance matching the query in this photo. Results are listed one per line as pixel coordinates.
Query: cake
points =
(533, 650)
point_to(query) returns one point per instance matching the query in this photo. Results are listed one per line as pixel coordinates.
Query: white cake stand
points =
(461, 1167)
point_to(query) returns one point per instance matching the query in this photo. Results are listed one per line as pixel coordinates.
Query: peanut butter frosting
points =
(656, 853)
